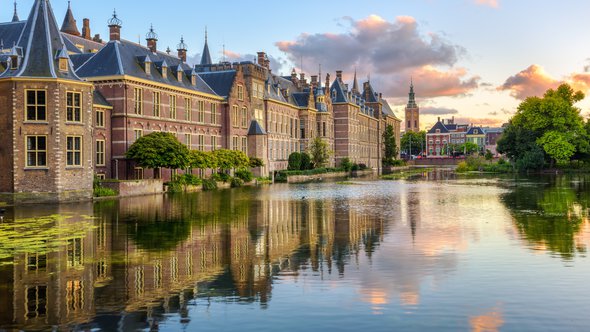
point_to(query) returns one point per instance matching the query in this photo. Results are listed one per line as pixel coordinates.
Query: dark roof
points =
(127, 58)
(369, 94)
(88, 45)
(439, 125)
(39, 45)
(206, 57)
(301, 98)
(99, 99)
(472, 130)
(79, 59)
(339, 92)
(386, 108)
(69, 23)
(15, 15)
(255, 129)
(11, 32)
(220, 81)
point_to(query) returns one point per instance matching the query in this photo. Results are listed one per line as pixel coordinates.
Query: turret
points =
(115, 27)
(152, 40)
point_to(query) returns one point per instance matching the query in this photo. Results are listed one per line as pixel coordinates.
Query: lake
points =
(430, 253)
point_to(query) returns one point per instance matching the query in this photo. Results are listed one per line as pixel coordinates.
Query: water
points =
(434, 253)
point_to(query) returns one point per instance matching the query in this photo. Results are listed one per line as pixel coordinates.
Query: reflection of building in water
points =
(151, 255)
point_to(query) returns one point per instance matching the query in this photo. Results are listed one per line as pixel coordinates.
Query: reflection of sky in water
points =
(449, 255)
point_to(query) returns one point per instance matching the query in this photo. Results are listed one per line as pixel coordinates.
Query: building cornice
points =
(46, 80)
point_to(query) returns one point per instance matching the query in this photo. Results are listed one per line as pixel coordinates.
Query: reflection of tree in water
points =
(551, 213)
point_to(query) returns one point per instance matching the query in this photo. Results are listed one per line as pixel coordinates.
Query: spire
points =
(15, 16)
(41, 46)
(355, 84)
(69, 24)
(412, 99)
(206, 57)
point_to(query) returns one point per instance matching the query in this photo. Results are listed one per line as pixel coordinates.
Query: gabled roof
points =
(220, 81)
(40, 42)
(339, 92)
(472, 131)
(255, 129)
(301, 98)
(386, 109)
(369, 94)
(87, 45)
(440, 126)
(123, 58)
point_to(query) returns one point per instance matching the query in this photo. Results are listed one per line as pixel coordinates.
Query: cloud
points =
(488, 3)
(534, 81)
(389, 52)
(484, 122)
(438, 111)
(276, 64)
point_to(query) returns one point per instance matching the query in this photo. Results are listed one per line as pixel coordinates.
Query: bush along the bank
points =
(180, 183)
(479, 164)
(236, 182)
(209, 184)
(244, 175)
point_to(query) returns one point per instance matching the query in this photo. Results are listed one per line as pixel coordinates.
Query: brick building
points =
(74, 104)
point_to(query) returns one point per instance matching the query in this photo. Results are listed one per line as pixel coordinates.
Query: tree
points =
(230, 159)
(202, 160)
(256, 162)
(390, 146)
(468, 148)
(319, 152)
(294, 161)
(413, 143)
(159, 150)
(305, 161)
(551, 126)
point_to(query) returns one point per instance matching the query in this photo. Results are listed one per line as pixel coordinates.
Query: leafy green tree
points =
(230, 159)
(295, 161)
(413, 142)
(256, 162)
(320, 153)
(346, 164)
(159, 150)
(305, 161)
(390, 146)
(468, 148)
(550, 125)
(202, 160)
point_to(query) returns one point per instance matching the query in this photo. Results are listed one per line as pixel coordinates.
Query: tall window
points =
(100, 153)
(138, 100)
(73, 107)
(245, 145)
(157, 103)
(74, 151)
(244, 117)
(201, 111)
(213, 143)
(100, 119)
(36, 151)
(201, 142)
(36, 105)
(187, 140)
(324, 128)
(172, 107)
(213, 113)
(36, 302)
(75, 252)
(188, 109)
(240, 92)
(137, 133)
(235, 115)
(235, 143)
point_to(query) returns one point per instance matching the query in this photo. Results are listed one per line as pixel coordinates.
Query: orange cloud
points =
(489, 3)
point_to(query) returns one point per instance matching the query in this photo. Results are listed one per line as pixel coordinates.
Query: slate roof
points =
(386, 109)
(255, 129)
(15, 15)
(39, 44)
(127, 58)
(220, 81)
(301, 98)
(439, 125)
(373, 97)
(79, 59)
(339, 92)
(206, 57)
(99, 99)
(69, 23)
(88, 45)
(10, 33)
(472, 130)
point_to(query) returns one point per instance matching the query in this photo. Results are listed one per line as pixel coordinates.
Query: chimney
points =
(380, 96)
(182, 48)
(152, 40)
(115, 27)
(302, 77)
(86, 29)
(328, 81)
(262, 59)
(314, 80)
(339, 75)
(293, 76)
(97, 38)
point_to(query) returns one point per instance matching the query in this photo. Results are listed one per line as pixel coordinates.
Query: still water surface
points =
(428, 254)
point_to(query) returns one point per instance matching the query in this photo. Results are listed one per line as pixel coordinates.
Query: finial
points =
(15, 16)
(182, 46)
(206, 34)
(69, 5)
(115, 21)
(151, 35)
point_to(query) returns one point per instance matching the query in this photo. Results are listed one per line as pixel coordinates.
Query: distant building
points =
(445, 137)
(412, 112)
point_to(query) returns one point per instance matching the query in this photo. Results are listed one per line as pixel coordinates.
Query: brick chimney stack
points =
(263, 60)
(339, 75)
(86, 29)
(328, 82)
(182, 49)
(115, 27)
(152, 40)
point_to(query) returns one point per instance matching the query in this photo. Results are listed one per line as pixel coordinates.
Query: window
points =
(36, 262)
(214, 114)
(172, 107)
(240, 92)
(235, 115)
(244, 117)
(245, 145)
(259, 116)
(73, 107)
(36, 151)
(138, 100)
(157, 103)
(187, 140)
(36, 302)
(63, 64)
(188, 109)
(324, 128)
(138, 173)
(235, 143)
(100, 153)
(36, 105)
(74, 151)
(101, 176)
(137, 133)
(201, 142)
(75, 252)
(100, 119)
(438, 131)
(201, 111)
(213, 143)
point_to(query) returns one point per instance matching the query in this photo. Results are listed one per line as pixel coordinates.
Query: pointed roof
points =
(69, 24)
(355, 85)
(40, 43)
(369, 94)
(412, 97)
(255, 129)
(15, 16)
(206, 57)
(439, 126)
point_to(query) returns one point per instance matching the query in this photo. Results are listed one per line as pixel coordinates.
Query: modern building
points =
(72, 105)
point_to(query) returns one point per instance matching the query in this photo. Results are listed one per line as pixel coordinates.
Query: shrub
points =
(295, 159)
(355, 167)
(263, 180)
(256, 162)
(489, 156)
(363, 167)
(221, 177)
(245, 175)
(280, 177)
(462, 167)
(236, 182)
(346, 164)
(209, 184)
(305, 162)
(104, 192)
(398, 163)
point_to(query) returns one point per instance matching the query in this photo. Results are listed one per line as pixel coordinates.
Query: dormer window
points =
(63, 64)
(148, 68)
(179, 74)
(476, 132)
(63, 60)
(334, 94)
(165, 72)
(194, 79)
(14, 62)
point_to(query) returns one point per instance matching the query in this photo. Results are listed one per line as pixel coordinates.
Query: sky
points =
(475, 60)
